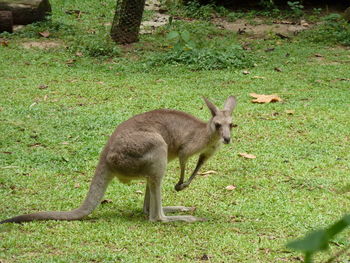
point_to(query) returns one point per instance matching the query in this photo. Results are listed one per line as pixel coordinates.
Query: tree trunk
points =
(26, 11)
(347, 14)
(6, 21)
(127, 21)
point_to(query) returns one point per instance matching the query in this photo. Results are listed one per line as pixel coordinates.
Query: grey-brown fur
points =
(141, 147)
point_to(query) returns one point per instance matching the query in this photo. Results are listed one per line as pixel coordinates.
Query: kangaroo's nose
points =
(227, 140)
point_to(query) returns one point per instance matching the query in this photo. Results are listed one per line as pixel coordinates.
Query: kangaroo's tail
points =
(97, 189)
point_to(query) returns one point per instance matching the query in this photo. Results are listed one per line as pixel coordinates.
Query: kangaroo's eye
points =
(217, 125)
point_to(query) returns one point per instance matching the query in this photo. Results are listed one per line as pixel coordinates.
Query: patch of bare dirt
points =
(42, 44)
(258, 28)
(158, 20)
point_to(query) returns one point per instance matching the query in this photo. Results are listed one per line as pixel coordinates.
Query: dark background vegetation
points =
(237, 4)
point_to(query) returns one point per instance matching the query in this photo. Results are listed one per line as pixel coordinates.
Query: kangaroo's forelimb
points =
(182, 185)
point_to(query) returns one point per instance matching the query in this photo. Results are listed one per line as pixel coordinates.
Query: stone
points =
(6, 21)
(26, 11)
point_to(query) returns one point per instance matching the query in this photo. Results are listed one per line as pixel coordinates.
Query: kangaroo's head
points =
(221, 122)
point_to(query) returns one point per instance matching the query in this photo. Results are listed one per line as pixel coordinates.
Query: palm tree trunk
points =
(127, 21)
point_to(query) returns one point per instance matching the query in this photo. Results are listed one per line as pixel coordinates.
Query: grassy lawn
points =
(58, 108)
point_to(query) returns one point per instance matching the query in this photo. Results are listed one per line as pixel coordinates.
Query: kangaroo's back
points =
(177, 128)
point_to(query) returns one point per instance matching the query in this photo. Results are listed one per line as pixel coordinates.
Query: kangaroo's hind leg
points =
(156, 169)
(166, 209)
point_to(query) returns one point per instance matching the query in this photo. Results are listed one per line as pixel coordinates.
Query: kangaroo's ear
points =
(230, 104)
(213, 109)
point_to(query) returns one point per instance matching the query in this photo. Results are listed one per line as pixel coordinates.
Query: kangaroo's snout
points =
(227, 140)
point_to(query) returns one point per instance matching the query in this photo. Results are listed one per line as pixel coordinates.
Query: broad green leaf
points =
(312, 242)
(186, 36)
(191, 44)
(338, 226)
(346, 218)
(178, 46)
(172, 35)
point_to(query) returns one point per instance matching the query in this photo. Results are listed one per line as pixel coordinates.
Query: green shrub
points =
(334, 30)
(296, 8)
(195, 10)
(206, 58)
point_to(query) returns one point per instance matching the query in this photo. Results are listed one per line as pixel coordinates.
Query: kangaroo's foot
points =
(174, 209)
(177, 218)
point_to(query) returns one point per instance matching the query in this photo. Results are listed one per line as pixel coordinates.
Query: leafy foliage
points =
(186, 52)
(207, 58)
(333, 30)
(193, 9)
(318, 240)
(183, 40)
(196, 10)
(296, 7)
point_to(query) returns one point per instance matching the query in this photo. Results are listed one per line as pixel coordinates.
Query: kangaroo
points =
(140, 148)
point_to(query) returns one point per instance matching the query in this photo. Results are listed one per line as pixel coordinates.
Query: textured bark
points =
(6, 21)
(127, 21)
(26, 11)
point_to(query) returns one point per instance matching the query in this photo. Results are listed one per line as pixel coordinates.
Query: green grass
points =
(51, 139)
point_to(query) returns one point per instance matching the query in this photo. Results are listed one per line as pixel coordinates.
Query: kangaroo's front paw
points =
(179, 187)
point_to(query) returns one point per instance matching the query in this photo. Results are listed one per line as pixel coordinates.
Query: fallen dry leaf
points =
(208, 172)
(262, 98)
(70, 61)
(247, 155)
(76, 185)
(245, 72)
(44, 34)
(3, 42)
(290, 112)
(258, 77)
(282, 36)
(32, 105)
(139, 192)
(43, 86)
(106, 201)
(283, 22)
(37, 144)
(73, 12)
(318, 55)
(230, 187)
(304, 23)
(343, 79)
(79, 54)
(278, 69)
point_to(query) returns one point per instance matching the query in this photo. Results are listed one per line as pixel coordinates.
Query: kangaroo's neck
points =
(205, 137)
